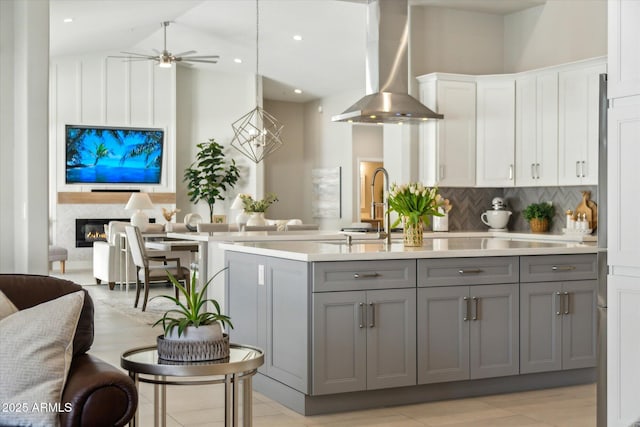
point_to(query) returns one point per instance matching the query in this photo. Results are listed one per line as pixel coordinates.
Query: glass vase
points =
(412, 233)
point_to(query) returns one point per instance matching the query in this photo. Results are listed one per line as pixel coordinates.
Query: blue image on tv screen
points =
(108, 155)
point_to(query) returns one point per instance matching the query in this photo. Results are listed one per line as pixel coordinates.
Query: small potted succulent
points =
(539, 216)
(190, 331)
(257, 208)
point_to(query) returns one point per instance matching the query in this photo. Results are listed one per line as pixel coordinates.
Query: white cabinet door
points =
(448, 146)
(537, 129)
(623, 330)
(624, 55)
(578, 91)
(495, 132)
(623, 199)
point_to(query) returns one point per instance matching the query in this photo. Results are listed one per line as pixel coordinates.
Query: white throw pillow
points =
(35, 355)
(6, 306)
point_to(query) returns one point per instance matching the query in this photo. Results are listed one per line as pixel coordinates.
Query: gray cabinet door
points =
(391, 338)
(246, 300)
(287, 349)
(443, 334)
(540, 327)
(579, 325)
(494, 331)
(339, 342)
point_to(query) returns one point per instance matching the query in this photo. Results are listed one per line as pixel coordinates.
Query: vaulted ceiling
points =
(329, 59)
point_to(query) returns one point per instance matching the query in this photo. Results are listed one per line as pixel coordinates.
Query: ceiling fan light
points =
(165, 62)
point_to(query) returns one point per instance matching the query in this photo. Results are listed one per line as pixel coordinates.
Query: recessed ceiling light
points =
(67, 20)
(238, 61)
(297, 91)
(297, 37)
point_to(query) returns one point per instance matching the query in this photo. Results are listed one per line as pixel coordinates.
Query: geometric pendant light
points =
(257, 134)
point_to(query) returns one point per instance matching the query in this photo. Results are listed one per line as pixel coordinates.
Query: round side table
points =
(242, 364)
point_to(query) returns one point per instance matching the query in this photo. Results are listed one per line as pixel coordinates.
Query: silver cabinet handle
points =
(470, 271)
(582, 168)
(475, 306)
(578, 169)
(533, 171)
(466, 309)
(537, 170)
(566, 307)
(563, 267)
(365, 275)
(510, 172)
(559, 304)
(361, 316)
(372, 309)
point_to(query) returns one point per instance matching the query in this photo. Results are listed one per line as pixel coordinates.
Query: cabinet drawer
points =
(356, 275)
(552, 268)
(467, 271)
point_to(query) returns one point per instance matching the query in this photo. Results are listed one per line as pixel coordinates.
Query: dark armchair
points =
(100, 394)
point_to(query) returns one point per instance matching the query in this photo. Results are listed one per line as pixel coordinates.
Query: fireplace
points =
(89, 230)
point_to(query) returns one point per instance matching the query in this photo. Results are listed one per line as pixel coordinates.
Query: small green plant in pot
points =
(191, 321)
(539, 216)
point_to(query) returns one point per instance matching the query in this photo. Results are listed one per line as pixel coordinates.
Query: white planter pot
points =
(257, 219)
(212, 332)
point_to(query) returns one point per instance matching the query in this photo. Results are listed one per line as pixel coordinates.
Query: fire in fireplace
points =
(89, 230)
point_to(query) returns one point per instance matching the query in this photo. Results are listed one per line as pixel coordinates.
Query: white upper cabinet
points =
(624, 55)
(495, 163)
(578, 91)
(537, 129)
(448, 146)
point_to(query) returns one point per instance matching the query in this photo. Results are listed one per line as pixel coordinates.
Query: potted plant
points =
(210, 176)
(257, 208)
(190, 331)
(414, 204)
(539, 216)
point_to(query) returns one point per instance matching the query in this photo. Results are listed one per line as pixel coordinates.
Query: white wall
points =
(24, 65)
(367, 145)
(285, 168)
(557, 32)
(208, 102)
(455, 41)
(329, 145)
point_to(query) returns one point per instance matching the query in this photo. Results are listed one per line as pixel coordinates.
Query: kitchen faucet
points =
(387, 221)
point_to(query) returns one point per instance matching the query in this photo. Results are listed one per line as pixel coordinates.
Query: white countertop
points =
(326, 235)
(432, 248)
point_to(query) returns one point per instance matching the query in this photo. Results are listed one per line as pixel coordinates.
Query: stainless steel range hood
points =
(387, 71)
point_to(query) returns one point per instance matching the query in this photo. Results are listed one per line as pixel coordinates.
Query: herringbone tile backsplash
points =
(470, 203)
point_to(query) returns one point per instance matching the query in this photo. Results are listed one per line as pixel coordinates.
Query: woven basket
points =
(539, 225)
(193, 351)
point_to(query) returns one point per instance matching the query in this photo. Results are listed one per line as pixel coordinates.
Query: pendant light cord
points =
(257, 50)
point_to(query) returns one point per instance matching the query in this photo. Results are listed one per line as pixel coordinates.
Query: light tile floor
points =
(196, 406)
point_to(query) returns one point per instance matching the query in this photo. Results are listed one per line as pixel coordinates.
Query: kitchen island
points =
(368, 325)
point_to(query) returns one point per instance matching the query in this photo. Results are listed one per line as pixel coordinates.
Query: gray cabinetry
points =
(558, 313)
(268, 301)
(364, 325)
(467, 271)
(467, 332)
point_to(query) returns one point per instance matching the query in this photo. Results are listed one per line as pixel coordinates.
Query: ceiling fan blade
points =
(200, 57)
(198, 60)
(189, 52)
(157, 52)
(143, 55)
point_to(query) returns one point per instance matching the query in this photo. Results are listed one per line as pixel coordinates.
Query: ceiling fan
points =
(165, 58)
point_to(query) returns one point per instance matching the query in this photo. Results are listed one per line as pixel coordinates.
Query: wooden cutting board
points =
(589, 208)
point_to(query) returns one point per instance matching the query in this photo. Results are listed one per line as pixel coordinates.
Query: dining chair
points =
(151, 268)
(296, 227)
(261, 228)
(210, 227)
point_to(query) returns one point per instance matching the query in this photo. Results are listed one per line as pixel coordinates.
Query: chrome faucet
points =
(387, 221)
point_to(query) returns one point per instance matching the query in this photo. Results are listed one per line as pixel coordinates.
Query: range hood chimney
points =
(387, 71)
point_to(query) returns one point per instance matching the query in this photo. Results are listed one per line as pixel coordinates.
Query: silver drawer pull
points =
(372, 318)
(466, 311)
(563, 268)
(470, 271)
(474, 314)
(361, 316)
(365, 275)
(559, 304)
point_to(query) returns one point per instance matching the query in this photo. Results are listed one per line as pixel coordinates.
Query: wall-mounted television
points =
(113, 155)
